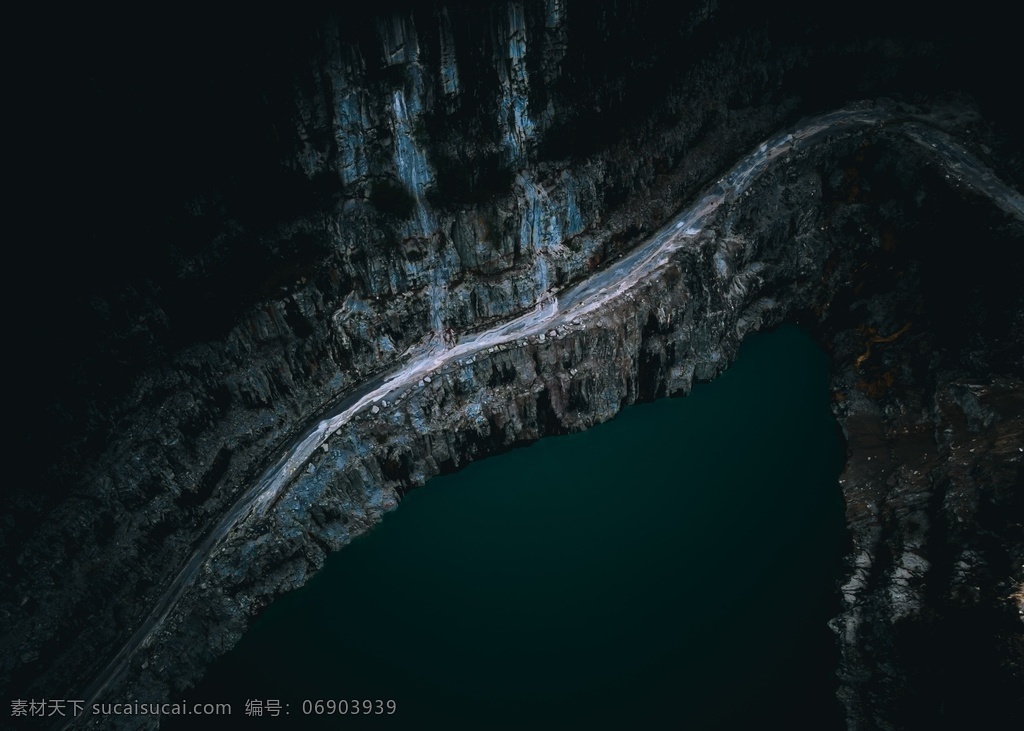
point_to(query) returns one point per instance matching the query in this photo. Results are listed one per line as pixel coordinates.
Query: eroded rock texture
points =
(261, 223)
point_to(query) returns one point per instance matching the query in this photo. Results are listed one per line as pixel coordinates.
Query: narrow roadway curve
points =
(566, 306)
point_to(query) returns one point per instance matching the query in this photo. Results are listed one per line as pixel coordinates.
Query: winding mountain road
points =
(566, 306)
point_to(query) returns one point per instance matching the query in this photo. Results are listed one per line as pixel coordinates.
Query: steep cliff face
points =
(385, 183)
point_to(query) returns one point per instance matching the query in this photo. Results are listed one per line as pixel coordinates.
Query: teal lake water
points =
(673, 568)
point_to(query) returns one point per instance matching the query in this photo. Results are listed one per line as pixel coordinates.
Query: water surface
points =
(673, 568)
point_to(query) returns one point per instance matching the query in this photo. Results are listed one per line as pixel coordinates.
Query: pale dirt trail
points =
(567, 306)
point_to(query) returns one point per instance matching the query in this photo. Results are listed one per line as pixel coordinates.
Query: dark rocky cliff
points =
(235, 223)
